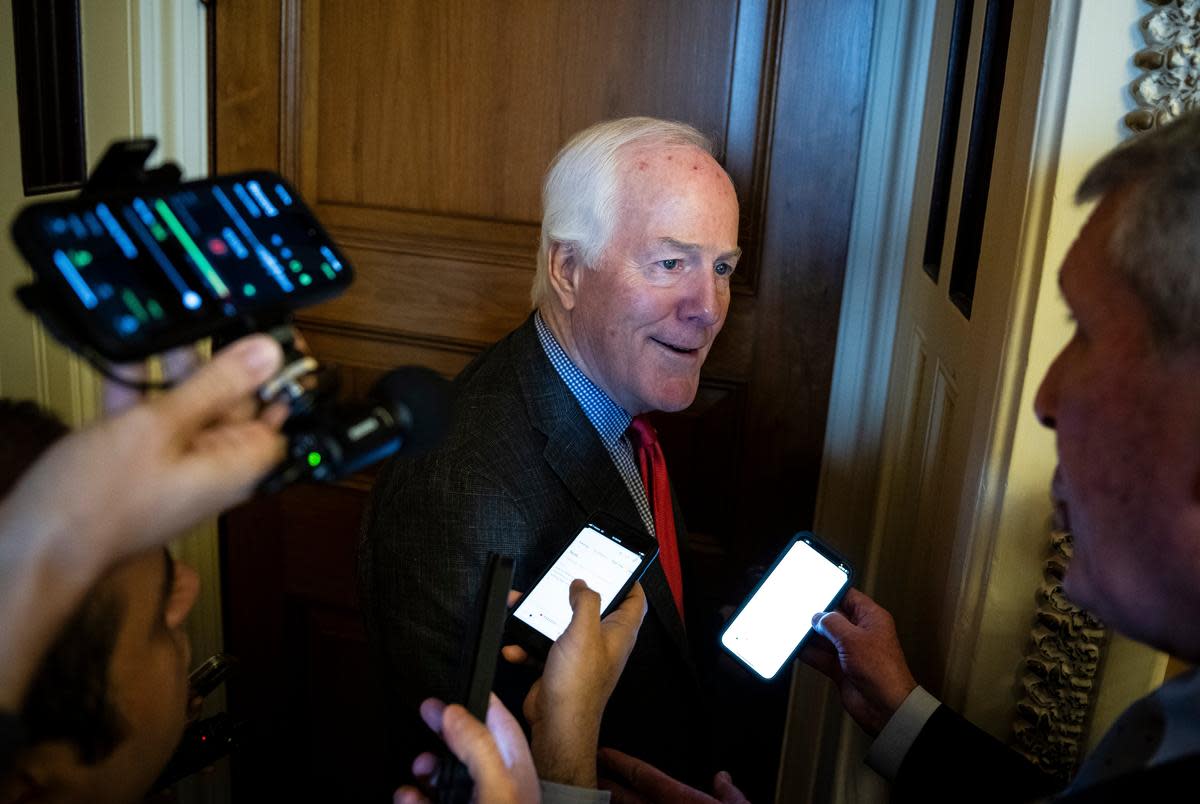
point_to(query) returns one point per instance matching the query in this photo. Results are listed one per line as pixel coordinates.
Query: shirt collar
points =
(610, 419)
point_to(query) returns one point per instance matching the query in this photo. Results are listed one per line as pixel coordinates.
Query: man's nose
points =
(1045, 404)
(703, 303)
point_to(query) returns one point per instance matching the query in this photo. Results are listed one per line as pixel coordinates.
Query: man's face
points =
(643, 319)
(1127, 419)
(147, 681)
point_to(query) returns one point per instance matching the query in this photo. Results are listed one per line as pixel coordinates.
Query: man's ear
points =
(564, 266)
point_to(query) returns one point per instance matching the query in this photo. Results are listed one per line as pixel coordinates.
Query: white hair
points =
(580, 196)
(1156, 242)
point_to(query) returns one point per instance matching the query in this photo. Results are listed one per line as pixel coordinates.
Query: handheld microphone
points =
(406, 410)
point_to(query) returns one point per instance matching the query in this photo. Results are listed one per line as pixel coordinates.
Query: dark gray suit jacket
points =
(519, 473)
(954, 760)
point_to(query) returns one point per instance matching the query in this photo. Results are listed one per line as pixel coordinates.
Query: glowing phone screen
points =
(603, 563)
(779, 616)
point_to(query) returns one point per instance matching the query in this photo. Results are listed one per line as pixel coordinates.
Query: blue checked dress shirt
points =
(610, 419)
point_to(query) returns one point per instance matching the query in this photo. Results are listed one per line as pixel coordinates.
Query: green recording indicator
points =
(295, 265)
(191, 248)
(314, 459)
(248, 290)
(305, 280)
(80, 258)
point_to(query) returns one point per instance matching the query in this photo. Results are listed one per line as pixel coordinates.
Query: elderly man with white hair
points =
(638, 244)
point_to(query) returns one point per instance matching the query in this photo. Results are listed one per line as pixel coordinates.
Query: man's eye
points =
(670, 265)
(724, 269)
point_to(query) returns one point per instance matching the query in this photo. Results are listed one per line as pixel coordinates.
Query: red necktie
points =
(658, 490)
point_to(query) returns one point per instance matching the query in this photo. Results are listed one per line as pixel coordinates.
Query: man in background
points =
(1123, 398)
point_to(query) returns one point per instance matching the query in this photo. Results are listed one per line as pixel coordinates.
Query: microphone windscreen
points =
(420, 399)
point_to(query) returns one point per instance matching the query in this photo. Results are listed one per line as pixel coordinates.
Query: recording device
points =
(139, 263)
(610, 556)
(207, 740)
(480, 653)
(776, 619)
(204, 742)
(211, 674)
(407, 409)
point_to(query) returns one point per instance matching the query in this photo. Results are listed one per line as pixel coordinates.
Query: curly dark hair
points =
(69, 698)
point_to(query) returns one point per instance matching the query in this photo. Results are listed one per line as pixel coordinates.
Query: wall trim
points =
(170, 90)
(814, 759)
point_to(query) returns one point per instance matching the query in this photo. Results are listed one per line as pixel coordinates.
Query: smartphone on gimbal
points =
(133, 270)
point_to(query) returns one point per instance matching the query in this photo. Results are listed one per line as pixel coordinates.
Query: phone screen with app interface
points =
(140, 271)
(607, 554)
(605, 563)
(777, 617)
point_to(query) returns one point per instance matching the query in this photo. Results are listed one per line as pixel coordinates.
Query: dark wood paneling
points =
(246, 48)
(416, 116)
(292, 618)
(825, 49)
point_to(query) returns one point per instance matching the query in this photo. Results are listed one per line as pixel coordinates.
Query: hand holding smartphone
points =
(776, 619)
(610, 556)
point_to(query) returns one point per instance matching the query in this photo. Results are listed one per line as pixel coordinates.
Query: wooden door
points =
(419, 130)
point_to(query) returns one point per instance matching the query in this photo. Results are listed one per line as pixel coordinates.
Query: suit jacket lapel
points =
(575, 453)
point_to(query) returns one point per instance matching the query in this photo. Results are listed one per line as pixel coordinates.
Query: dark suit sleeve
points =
(954, 760)
(421, 562)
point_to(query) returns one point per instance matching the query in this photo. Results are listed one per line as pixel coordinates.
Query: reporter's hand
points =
(496, 755)
(858, 649)
(564, 706)
(135, 480)
(632, 781)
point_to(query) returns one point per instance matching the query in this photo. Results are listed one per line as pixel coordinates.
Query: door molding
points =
(850, 469)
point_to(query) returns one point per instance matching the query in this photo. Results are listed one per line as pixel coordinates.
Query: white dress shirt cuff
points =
(898, 735)
(555, 793)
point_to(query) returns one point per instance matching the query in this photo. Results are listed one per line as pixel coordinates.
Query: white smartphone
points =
(607, 554)
(776, 618)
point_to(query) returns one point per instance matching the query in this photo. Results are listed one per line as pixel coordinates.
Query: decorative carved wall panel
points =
(1170, 84)
(1059, 672)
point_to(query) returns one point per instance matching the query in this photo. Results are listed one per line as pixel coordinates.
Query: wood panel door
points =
(419, 130)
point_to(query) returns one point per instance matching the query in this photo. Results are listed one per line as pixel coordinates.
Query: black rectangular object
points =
(977, 178)
(49, 62)
(939, 202)
(480, 653)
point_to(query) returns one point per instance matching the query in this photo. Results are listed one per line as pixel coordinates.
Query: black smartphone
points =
(133, 273)
(607, 554)
(775, 620)
(479, 656)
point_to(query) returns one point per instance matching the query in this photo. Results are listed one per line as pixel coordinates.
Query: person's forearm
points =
(564, 750)
(45, 571)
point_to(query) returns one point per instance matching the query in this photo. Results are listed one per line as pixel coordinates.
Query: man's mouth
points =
(677, 348)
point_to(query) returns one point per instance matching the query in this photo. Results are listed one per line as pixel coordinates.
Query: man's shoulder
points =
(1168, 781)
(492, 436)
